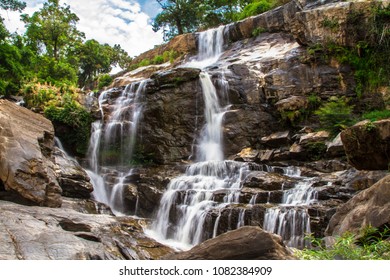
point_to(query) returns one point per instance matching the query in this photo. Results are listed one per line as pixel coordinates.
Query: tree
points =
(183, 16)
(13, 5)
(95, 59)
(52, 30)
(178, 17)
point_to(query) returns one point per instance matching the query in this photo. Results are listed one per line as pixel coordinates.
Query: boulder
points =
(335, 148)
(367, 145)
(36, 233)
(292, 103)
(182, 44)
(276, 139)
(245, 243)
(268, 181)
(314, 137)
(370, 207)
(26, 152)
(72, 178)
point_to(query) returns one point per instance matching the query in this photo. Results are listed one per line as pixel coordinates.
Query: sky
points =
(124, 22)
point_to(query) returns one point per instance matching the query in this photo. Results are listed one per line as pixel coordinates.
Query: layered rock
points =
(367, 145)
(26, 152)
(35, 233)
(72, 178)
(246, 243)
(370, 207)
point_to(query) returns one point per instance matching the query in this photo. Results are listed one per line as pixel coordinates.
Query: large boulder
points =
(36, 233)
(26, 147)
(370, 207)
(367, 145)
(245, 243)
(72, 178)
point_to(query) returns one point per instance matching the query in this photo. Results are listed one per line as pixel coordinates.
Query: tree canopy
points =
(183, 16)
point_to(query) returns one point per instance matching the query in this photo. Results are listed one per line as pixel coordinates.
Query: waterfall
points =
(113, 144)
(189, 199)
(290, 219)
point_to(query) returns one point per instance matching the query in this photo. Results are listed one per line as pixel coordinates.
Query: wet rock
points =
(314, 137)
(175, 77)
(246, 243)
(367, 145)
(72, 178)
(328, 166)
(335, 148)
(268, 181)
(277, 139)
(64, 234)
(361, 180)
(297, 152)
(370, 207)
(26, 147)
(292, 103)
(247, 155)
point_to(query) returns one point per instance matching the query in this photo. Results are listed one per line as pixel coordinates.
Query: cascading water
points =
(290, 219)
(118, 136)
(189, 199)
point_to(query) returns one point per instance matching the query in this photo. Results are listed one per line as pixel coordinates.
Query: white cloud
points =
(107, 21)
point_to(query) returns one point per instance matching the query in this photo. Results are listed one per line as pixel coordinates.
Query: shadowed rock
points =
(246, 243)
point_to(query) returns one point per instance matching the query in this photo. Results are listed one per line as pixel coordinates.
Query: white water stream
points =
(117, 136)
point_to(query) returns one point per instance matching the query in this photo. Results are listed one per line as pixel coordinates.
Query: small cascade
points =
(117, 140)
(290, 219)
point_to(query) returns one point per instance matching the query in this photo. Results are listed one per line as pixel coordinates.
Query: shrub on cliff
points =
(60, 105)
(335, 115)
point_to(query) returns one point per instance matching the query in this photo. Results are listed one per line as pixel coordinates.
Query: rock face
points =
(26, 147)
(370, 207)
(72, 178)
(35, 233)
(246, 243)
(367, 145)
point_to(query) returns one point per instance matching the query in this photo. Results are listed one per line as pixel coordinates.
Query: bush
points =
(158, 59)
(335, 115)
(370, 246)
(255, 8)
(77, 119)
(104, 81)
(376, 115)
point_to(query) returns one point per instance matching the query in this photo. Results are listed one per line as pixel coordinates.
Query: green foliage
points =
(316, 150)
(13, 5)
(371, 245)
(257, 31)
(104, 81)
(370, 58)
(11, 69)
(376, 115)
(330, 23)
(77, 118)
(144, 62)
(314, 102)
(335, 115)
(53, 71)
(54, 26)
(255, 8)
(183, 16)
(158, 59)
